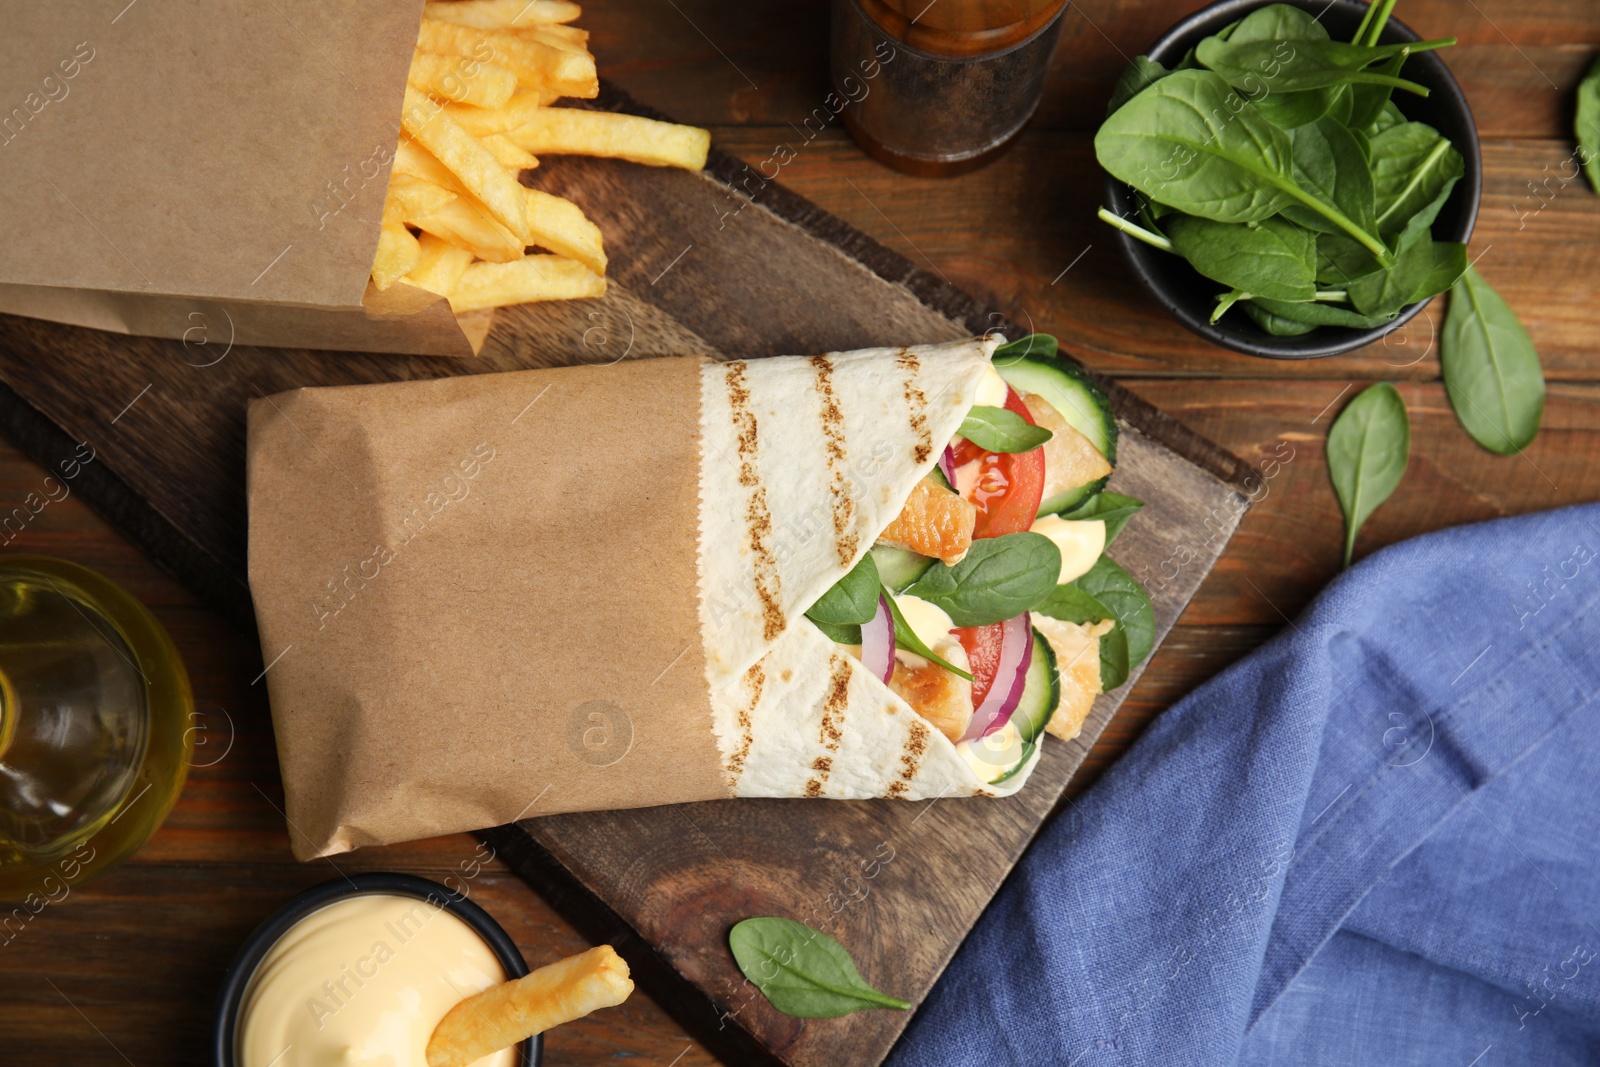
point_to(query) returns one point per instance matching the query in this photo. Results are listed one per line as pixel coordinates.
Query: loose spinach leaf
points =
(1491, 370)
(802, 971)
(1271, 257)
(1292, 66)
(1413, 171)
(1329, 164)
(1116, 589)
(1001, 430)
(843, 635)
(1588, 124)
(1069, 603)
(1317, 313)
(852, 600)
(905, 637)
(1136, 77)
(999, 578)
(1368, 447)
(1113, 509)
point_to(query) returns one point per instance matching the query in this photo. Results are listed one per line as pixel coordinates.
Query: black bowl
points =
(226, 1016)
(1191, 298)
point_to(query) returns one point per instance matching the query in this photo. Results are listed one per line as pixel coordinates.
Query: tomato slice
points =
(983, 655)
(1009, 486)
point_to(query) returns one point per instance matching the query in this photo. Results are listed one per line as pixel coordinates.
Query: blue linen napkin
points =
(1376, 840)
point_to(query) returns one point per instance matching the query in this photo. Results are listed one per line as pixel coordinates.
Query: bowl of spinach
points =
(1292, 180)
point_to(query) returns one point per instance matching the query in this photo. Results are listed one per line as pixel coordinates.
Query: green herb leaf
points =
(1413, 170)
(1368, 447)
(1588, 124)
(1113, 509)
(1136, 77)
(905, 637)
(843, 635)
(1317, 313)
(852, 600)
(1071, 604)
(803, 972)
(1292, 66)
(1424, 269)
(999, 578)
(1389, 116)
(1270, 258)
(1368, 102)
(1278, 325)
(1330, 164)
(1118, 590)
(1280, 22)
(1035, 344)
(1001, 430)
(1491, 370)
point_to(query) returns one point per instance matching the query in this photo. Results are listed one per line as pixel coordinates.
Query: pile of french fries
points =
(457, 220)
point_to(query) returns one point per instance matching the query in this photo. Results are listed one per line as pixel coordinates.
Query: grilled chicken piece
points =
(935, 522)
(1077, 649)
(1070, 459)
(944, 699)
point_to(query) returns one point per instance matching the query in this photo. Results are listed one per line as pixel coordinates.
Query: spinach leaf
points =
(1389, 116)
(842, 635)
(1367, 102)
(1113, 509)
(1291, 66)
(1035, 344)
(1278, 325)
(1413, 171)
(1491, 370)
(803, 972)
(852, 600)
(1117, 590)
(1272, 257)
(1588, 124)
(905, 637)
(1368, 447)
(1424, 269)
(1318, 313)
(1136, 77)
(1329, 164)
(1000, 577)
(1280, 22)
(1001, 430)
(1192, 143)
(1069, 603)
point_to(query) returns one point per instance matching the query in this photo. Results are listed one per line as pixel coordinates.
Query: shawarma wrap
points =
(501, 596)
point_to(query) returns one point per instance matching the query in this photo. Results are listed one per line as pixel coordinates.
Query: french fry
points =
(472, 164)
(505, 1014)
(414, 161)
(547, 30)
(579, 131)
(561, 226)
(509, 155)
(562, 41)
(397, 254)
(488, 285)
(463, 222)
(501, 14)
(465, 81)
(439, 264)
(480, 122)
(413, 196)
(537, 65)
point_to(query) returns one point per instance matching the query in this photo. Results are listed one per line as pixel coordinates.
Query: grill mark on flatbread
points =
(755, 679)
(832, 721)
(758, 518)
(845, 539)
(910, 759)
(917, 404)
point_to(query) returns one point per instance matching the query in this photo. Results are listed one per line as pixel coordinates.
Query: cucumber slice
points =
(899, 567)
(1069, 389)
(1041, 691)
(1027, 754)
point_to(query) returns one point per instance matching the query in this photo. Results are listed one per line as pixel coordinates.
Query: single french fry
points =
(472, 164)
(537, 65)
(413, 196)
(501, 14)
(579, 131)
(505, 1014)
(509, 155)
(545, 31)
(439, 264)
(561, 226)
(480, 122)
(465, 81)
(414, 161)
(563, 41)
(397, 254)
(487, 285)
(462, 221)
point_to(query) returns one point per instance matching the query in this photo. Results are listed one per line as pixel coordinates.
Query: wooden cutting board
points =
(724, 263)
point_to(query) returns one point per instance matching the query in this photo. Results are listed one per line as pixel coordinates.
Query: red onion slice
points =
(877, 642)
(1005, 693)
(947, 465)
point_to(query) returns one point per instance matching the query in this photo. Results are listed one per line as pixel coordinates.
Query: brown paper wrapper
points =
(159, 161)
(477, 599)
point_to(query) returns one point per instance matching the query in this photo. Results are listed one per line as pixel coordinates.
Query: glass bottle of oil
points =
(95, 730)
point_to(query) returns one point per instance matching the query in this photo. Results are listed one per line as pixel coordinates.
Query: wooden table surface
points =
(126, 968)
